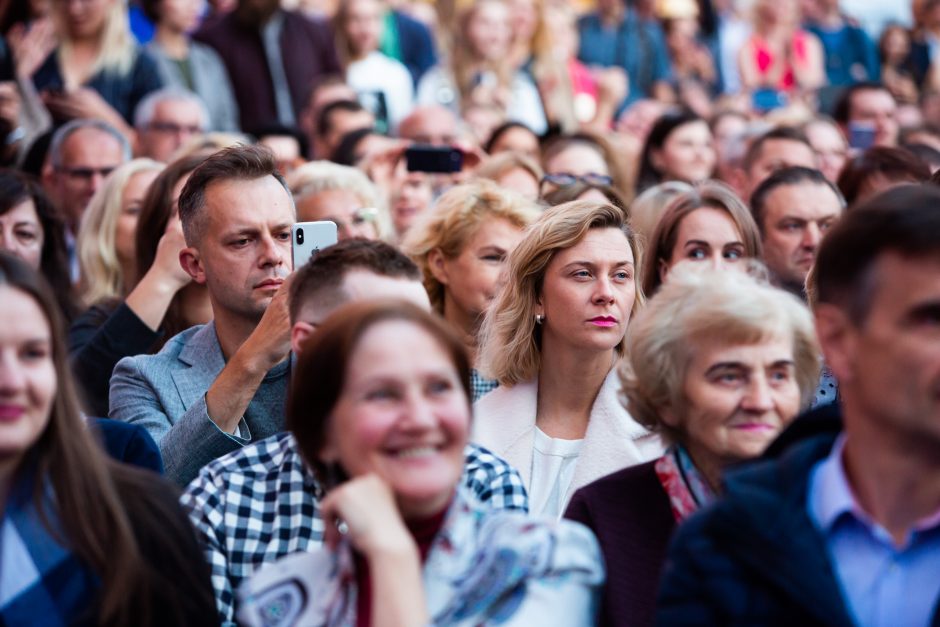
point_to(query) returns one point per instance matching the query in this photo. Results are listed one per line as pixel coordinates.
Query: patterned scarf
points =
(684, 484)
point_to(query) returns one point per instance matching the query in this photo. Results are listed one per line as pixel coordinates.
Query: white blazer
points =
(504, 422)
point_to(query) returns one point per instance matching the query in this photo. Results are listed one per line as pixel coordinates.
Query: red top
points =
(765, 58)
(423, 531)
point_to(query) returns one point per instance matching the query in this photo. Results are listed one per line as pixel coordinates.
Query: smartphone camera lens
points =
(300, 236)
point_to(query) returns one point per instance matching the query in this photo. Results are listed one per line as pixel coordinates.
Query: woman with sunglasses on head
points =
(85, 541)
(708, 224)
(461, 246)
(380, 411)
(679, 147)
(582, 188)
(553, 338)
(584, 155)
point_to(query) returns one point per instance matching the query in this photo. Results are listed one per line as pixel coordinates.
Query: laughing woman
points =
(552, 339)
(381, 413)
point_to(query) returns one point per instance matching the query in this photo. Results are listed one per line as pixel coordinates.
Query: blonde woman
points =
(461, 246)
(98, 70)
(323, 190)
(105, 243)
(480, 72)
(553, 339)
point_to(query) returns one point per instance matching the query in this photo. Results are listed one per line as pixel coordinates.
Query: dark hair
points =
(16, 188)
(756, 147)
(36, 154)
(242, 163)
(902, 219)
(324, 119)
(327, 269)
(843, 107)
(155, 213)
(794, 175)
(893, 164)
(323, 365)
(929, 155)
(663, 127)
(574, 192)
(345, 152)
(501, 130)
(71, 475)
(153, 10)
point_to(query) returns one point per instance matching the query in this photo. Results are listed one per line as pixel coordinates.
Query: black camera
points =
(300, 236)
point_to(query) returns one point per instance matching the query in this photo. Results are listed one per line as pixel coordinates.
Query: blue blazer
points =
(166, 394)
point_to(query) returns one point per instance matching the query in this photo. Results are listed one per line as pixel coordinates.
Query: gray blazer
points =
(166, 394)
(210, 80)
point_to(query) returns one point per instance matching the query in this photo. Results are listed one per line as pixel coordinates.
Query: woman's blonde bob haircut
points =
(710, 194)
(455, 219)
(118, 49)
(699, 304)
(510, 339)
(103, 277)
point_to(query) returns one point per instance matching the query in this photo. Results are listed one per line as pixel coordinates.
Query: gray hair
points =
(698, 304)
(143, 114)
(64, 132)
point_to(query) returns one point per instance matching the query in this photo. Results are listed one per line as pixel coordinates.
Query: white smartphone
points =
(307, 238)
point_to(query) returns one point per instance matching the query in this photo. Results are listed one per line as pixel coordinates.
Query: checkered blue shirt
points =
(480, 385)
(257, 504)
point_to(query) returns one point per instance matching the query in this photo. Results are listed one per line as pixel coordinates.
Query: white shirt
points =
(553, 464)
(378, 73)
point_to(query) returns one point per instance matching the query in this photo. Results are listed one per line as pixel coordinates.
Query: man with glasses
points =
(168, 119)
(82, 154)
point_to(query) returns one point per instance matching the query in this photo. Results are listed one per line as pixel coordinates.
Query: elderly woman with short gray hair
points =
(719, 364)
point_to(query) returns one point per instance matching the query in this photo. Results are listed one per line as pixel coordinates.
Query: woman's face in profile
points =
(402, 415)
(27, 374)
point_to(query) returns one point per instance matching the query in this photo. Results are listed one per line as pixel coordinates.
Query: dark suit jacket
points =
(630, 514)
(129, 444)
(307, 51)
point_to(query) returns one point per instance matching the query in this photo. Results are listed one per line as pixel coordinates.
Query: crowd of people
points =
(632, 314)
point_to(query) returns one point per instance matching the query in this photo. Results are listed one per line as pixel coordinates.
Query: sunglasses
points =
(564, 179)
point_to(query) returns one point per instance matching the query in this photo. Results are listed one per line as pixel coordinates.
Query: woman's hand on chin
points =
(364, 510)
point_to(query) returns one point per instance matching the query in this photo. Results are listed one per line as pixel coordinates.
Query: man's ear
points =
(437, 266)
(838, 339)
(298, 335)
(192, 264)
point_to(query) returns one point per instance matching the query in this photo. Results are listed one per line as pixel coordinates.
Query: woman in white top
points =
(481, 71)
(552, 339)
(383, 84)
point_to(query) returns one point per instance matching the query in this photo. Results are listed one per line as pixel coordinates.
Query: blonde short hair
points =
(320, 176)
(102, 275)
(510, 342)
(454, 220)
(698, 304)
(118, 50)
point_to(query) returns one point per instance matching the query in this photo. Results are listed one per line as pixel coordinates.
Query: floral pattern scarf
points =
(684, 484)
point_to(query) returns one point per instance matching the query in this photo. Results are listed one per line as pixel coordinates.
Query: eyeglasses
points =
(86, 174)
(360, 216)
(565, 179)
(174, 129)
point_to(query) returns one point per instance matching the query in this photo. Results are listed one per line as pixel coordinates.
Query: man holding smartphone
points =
(215, 388)
(868, 116)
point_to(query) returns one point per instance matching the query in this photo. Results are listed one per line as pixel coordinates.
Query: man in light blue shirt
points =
(841, 528)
